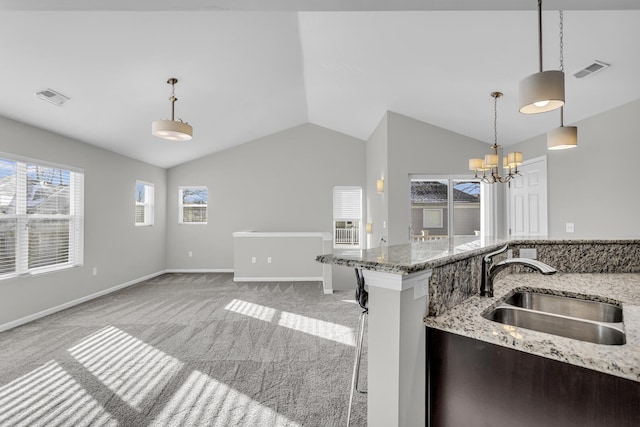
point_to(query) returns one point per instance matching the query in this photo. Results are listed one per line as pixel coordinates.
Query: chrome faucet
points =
(490, 269)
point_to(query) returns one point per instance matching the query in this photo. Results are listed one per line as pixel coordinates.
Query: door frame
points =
(509, 207)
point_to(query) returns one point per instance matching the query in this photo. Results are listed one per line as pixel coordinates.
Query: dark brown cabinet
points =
(474, 383)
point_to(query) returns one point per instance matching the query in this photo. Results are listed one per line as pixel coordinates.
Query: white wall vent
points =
(591, 69)
(52, 96)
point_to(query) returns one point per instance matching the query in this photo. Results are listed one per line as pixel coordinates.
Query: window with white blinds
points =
(193, 203)
(347, 216)
(144, 203)
(41, 217)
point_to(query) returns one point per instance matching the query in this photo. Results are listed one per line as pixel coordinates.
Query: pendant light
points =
(563, 137)
(544, 90)
(490, 163)
(171, 129)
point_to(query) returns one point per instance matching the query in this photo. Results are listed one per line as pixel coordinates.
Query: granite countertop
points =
(412, 257)
(619, 360)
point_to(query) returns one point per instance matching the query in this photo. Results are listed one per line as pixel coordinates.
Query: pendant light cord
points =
(562, 60)
(540, 32)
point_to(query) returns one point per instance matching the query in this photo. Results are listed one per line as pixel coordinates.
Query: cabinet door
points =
(473, 383)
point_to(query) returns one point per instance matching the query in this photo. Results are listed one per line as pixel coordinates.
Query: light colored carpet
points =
(187, 350)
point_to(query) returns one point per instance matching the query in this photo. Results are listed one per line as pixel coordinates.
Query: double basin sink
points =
(569, 317)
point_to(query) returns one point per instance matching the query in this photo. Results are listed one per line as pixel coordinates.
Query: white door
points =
(528, 199)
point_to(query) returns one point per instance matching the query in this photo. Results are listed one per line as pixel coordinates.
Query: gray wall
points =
(251, 188)
(121, 251)
(593, 185)
(415, 147)
(376, 162)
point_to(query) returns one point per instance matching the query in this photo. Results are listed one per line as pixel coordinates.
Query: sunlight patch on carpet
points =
(319, 328)
(131, 368)
(250, 309)
(309, 325)
(49, 396)
(204, 401)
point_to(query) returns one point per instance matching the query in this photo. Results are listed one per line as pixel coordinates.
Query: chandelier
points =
(173, 130)
(489, 166)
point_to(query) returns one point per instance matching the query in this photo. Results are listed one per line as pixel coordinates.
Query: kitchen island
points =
(479, 369)
(425, 281)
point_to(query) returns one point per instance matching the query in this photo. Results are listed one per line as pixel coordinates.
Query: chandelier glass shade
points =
(173, 130)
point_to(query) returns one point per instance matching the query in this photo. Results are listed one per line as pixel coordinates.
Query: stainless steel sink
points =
(567, 306)
(564, 326)
(569, 317)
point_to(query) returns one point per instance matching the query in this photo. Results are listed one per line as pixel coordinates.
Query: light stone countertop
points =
(412, 257)
(619, 360)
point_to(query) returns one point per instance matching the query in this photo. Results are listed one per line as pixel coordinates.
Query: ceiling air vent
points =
(591, 69)
(53, 97)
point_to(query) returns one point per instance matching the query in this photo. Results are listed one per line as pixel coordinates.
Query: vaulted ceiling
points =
(247, 69)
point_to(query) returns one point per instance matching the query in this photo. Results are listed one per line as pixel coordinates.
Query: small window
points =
(193, 205)
(347, 217)
(144, 203)
(432, 218)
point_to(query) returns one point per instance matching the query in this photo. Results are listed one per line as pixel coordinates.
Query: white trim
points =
(64, 306)
(199, 270)
(393, 281)
(278, 279)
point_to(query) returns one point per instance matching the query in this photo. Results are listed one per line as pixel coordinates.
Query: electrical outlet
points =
(268, 260)
(190, 253)
(569, 227)
(530, 253)
(253, 260)
(95, 271)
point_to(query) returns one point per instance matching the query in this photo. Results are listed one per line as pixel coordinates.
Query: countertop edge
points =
(621, 361)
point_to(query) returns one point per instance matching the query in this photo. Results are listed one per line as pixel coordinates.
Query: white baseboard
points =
(328, 291)
(278, 279)
(69, 304)
(199, 270)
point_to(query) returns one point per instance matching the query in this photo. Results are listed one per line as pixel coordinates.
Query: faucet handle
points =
(487, 257)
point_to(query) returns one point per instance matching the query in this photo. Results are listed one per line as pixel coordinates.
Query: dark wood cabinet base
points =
(473, 383)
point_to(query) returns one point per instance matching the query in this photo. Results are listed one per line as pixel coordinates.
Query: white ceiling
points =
(248, 73)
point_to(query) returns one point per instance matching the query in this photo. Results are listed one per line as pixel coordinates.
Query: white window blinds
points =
(41, 217)
(347, 203)
(347, 216)
(144, 203)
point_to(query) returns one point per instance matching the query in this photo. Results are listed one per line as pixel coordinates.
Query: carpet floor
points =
(187, 350)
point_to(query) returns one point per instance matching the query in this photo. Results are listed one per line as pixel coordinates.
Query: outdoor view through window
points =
(444, 207)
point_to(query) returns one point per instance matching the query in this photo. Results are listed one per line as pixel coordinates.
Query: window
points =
(444, 207)
(144, 203)
(347, 216)
(432, 218)
(41, 217)
(193, 205)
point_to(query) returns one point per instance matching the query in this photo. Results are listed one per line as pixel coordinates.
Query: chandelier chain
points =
(495, 120)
